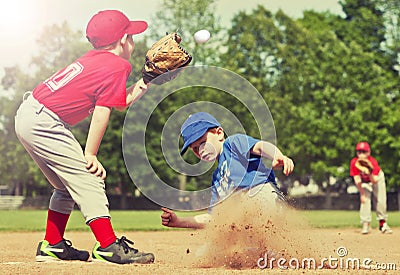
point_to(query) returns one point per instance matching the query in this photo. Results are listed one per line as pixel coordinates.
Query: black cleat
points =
(120, 252)
(62, 251)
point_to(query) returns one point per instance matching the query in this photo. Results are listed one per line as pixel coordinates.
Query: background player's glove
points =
(164, 56)
(364, 165)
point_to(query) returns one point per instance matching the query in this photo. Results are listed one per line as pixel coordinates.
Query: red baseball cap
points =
(107, 26)
(364, 146)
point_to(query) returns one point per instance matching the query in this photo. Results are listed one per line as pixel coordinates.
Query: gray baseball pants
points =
(377, 194)
(60, 157)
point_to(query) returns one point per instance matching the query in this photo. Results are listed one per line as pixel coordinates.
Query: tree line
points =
(329, 81)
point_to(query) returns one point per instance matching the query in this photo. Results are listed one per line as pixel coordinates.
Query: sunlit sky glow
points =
(21, 21)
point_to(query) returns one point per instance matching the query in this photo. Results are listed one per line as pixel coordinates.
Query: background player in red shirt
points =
(370, 183)
(94, 84)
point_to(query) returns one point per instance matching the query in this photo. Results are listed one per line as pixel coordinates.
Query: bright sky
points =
(21, 21)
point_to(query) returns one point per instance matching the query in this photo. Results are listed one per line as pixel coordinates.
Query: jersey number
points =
(61, 78)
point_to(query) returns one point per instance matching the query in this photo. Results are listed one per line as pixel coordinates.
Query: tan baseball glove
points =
(364, 165)
(165, 56)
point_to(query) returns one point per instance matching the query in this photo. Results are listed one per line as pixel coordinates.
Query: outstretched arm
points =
(270, 151)
(134, 93)
(170, 219)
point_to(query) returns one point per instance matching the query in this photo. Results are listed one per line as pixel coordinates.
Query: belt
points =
(42, 108)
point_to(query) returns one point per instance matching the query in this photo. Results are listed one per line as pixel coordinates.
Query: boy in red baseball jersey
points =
(370, 183)
(92, 85)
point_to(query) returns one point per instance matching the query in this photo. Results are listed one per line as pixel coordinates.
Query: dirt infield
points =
(249, 234)
(176, 253)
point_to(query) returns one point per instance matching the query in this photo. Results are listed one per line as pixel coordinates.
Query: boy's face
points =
(362, 153)
(209, 146)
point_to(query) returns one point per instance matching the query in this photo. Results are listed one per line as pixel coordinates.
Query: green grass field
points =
(34, 220)
(344, 219)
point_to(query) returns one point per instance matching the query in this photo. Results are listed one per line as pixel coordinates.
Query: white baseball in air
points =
(202, 36)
